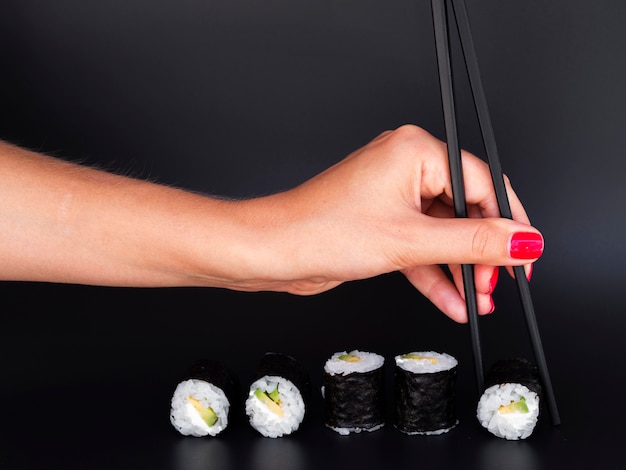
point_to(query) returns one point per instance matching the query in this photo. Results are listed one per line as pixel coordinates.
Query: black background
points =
(244, 98)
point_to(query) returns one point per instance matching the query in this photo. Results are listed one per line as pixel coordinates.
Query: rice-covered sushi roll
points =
(509, 406)
(277, 399)
(201, 403)
(354, 392)
(425, 392)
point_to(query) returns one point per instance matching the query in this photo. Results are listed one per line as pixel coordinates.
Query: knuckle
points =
(409, 134)
(482, 241)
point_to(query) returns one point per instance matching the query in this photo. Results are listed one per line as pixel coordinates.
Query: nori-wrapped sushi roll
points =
(425, 393)
(201, 403)
(277, 399)
(509, 406)
(354, 392)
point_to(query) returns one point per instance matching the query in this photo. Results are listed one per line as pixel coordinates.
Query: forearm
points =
(69, 223)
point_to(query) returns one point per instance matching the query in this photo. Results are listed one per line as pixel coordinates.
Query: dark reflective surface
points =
(125, 425)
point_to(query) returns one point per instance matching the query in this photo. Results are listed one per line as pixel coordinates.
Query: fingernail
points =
(529, 272)
(493, 281)
(526, 245)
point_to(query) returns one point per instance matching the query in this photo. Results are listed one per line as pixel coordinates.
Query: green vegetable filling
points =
(417, 357)
(519, 406)
(271, 400)
(349, 358)
(206, 412)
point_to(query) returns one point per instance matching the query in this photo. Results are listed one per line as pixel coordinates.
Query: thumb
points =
(486, 241)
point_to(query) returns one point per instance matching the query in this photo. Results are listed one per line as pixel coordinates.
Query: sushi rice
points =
(186, 419)
(426, 362)
(268, 422)
(367, 362)
(495, 413)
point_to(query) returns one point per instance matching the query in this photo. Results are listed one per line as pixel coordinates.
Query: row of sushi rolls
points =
(353, 393)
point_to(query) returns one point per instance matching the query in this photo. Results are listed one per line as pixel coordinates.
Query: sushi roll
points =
(425, 393)
(509, 406)
(277, 399)
(353, 391)
(201, 403)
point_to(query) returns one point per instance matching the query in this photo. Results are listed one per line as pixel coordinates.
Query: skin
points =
(386, 207)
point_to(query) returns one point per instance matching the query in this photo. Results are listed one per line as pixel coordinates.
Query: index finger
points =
(478, 185)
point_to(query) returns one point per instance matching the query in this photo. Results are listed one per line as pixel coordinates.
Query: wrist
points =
(265, 245)
(235, 244)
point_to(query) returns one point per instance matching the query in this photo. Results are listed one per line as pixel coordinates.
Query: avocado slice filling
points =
(418, 357)
(519, 406)
(271, 400)
(206, 412)
(349, 358)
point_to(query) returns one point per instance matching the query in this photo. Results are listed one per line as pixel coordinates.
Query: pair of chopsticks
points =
(440, 9)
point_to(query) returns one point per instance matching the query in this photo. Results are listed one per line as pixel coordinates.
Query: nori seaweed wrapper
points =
(219, 375)
(287, 367)
(425, 402)
(515, 370)
(355, 400)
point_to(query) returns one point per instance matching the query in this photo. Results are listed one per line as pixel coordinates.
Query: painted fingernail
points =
(493, 281)
(526, 245)
(529, 272)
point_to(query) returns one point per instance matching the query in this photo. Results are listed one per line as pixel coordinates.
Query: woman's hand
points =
(387, 207)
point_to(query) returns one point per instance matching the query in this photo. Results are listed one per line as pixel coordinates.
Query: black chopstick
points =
(456, 173)
(480, 102)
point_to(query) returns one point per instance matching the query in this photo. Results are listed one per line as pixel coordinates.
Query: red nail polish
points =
(529, 274)
(526, 245)
(493, 281)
